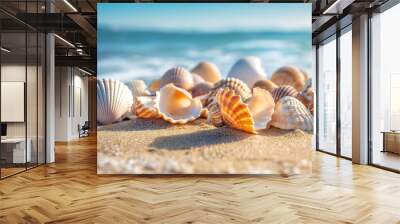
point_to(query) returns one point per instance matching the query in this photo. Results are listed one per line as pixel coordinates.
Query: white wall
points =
(71, 102)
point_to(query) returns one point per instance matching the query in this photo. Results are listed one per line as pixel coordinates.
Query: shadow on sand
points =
(199, 139)
(137, 124)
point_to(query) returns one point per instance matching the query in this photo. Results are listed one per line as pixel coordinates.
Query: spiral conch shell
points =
(234, 112)
(114, 100)
(178, 76)
(283, 91)
(208, 71)
(145, 107)
(249, 70)
(289, 75)
(177, 106)
(290, 114)
(265, 84)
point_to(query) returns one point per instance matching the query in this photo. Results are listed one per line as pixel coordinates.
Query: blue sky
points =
(206, 16)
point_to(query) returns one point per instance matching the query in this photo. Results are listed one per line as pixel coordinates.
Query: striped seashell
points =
(114, 100)
(201, 89)
(235, 84)
(261, 106)
(197, 79)
(145, 107)
(177, 106)
(283, 91)
(178, 76)
(289, 75)
(290, 114)
(214, 116)
(208, 71)
(154, 85)
(307, 98)
(265, 84)
(249, 70)
(234, 111)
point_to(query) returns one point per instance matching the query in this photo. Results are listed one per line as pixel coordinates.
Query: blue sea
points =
(147, 54)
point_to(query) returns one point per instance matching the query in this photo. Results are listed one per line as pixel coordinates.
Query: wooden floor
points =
(69, 191)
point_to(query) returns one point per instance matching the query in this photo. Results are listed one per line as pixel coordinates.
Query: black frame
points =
(30, 29)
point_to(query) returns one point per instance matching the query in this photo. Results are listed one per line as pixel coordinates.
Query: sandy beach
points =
(153, 146)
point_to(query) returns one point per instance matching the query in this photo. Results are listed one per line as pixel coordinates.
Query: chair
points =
(84, 130)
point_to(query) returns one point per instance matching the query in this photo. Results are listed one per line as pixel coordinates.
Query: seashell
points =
(197, 79)
(114, 100)
(290, 114)
(176, 105)
(145, 107)
(208, 71)
(234, 111)
(234, 84)
(289, 75)
(139, 88)
(154, 85)
(214, 116)
(178, 76)
(307, 98)
(249, 70)
(261, 106)
(283, 91)
(265, 84)
(201, 89)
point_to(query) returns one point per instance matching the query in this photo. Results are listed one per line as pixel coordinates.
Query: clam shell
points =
(154, 85)
(289, 75)
(201, 89)
(234, 111)
(283, 91)
(197, 79)
(145, 107)
(261, 106)
(176, 105)
(214, 116)
(234, 84)
(208, 71)
(114, 100)
(307, 98)
(248, 69)
(265, 84)
(290, 114)
(178, 76)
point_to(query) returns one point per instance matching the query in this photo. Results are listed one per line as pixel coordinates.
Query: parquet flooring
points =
(69, 191)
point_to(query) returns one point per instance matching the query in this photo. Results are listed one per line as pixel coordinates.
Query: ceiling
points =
(75, 22)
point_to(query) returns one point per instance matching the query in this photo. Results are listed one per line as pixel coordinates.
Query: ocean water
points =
(141, 54)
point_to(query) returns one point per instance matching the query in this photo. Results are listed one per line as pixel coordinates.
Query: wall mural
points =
(215, 88)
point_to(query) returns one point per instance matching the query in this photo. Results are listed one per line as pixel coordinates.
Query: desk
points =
(16, 148)
(391, 141)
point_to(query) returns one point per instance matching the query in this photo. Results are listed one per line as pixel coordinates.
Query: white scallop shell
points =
(145, 107)
(234, 84)
(178, 76)
(177, 106)
(290, 114)
(249, 70)
(114, 100)
(261, 106)
(208, 71)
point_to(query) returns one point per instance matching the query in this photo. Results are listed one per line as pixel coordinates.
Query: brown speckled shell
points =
(201, 89)
(307, 98)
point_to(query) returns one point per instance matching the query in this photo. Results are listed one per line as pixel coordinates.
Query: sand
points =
(153, 146)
